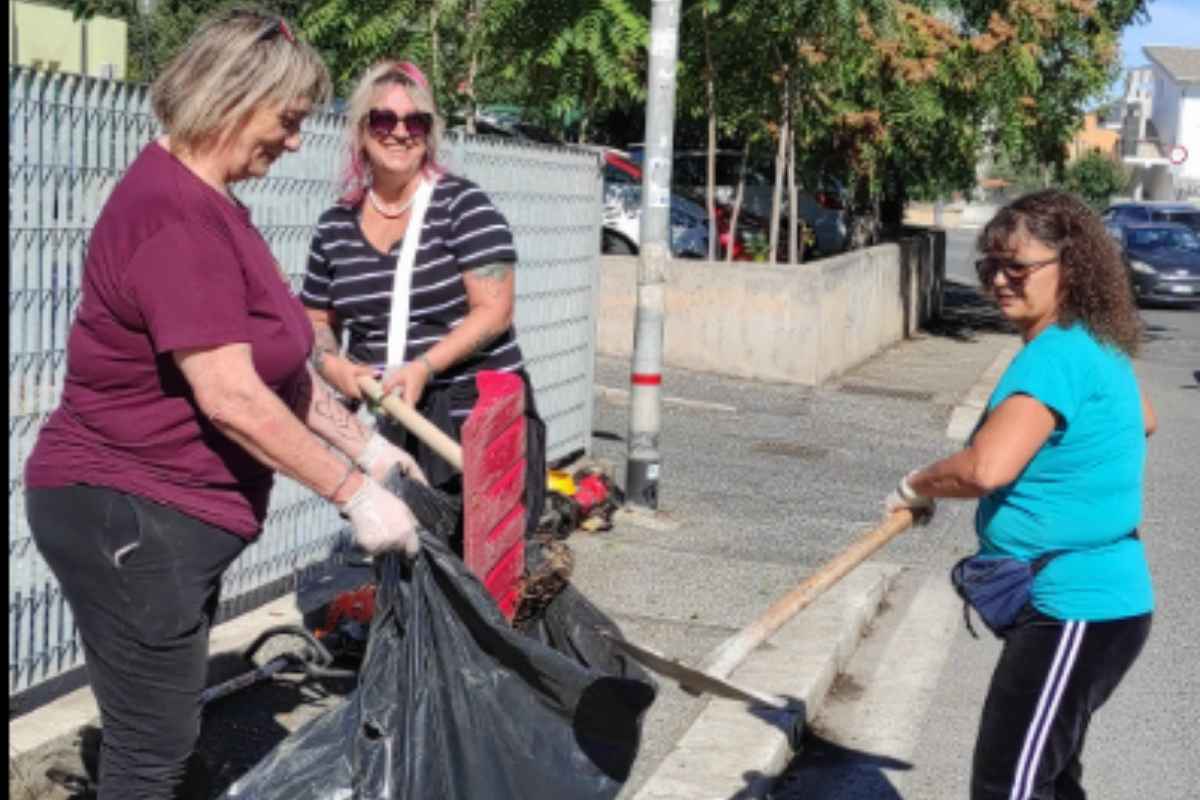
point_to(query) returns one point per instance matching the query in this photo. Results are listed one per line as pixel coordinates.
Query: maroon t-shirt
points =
(171, 264)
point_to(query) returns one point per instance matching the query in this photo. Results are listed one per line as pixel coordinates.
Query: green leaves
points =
(1096, 178)
(883, 92)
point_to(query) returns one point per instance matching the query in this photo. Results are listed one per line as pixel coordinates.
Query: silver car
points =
(622, 226)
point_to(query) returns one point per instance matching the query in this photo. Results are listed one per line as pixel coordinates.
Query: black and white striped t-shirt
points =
(462, 230)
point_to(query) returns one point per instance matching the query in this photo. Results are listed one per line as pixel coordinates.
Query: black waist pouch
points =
(998, 588)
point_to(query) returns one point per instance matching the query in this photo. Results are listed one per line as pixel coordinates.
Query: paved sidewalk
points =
(761, 484)
(765, 483)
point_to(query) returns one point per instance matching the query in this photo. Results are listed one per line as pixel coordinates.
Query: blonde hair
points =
(236, 62)
(356, 170)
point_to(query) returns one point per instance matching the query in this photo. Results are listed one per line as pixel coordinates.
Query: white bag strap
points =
(397, 339)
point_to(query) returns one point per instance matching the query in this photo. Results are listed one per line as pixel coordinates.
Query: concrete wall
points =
(801, 324)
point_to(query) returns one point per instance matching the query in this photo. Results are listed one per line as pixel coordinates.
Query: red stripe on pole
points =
(645, 379)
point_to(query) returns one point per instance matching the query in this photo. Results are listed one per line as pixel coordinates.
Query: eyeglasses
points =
(277, 28)
(1014, 271)
(382, 121)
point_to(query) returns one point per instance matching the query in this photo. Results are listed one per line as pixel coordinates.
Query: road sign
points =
(1179, 154)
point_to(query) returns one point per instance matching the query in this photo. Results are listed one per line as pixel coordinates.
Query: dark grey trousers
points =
(142, 581)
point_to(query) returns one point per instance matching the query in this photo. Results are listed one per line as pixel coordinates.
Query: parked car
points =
(1131, 213)
(824, 210)
(1164, 262)
(621, 233)
(508, 128)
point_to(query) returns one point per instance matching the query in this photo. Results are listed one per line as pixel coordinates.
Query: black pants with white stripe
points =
(1051, 678)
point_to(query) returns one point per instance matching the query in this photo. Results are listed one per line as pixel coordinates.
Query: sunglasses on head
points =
(277, 28)
(1015, 271)
(382, 121)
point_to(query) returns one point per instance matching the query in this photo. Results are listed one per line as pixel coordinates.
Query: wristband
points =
(908, 494)
(350, 468)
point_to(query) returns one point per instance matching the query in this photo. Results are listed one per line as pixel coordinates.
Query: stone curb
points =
(968, 411)
(731, 751)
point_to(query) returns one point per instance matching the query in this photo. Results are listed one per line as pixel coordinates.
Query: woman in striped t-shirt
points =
(454, 282)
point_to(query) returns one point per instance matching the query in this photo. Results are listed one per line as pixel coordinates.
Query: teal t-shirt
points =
(1082, 491)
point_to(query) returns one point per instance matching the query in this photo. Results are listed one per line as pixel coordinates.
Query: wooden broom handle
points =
(727, 655)
(412, 420)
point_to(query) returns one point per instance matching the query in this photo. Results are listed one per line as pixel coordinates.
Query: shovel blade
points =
(690, 679)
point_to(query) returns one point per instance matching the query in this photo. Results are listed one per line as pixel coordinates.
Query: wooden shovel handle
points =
(412, 420)
(727, 655)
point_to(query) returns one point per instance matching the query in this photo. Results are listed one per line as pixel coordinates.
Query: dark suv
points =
(1122, 214)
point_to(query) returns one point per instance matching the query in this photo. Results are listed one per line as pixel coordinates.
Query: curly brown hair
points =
(1094, 286)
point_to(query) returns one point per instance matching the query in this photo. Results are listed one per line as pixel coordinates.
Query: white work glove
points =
(380, 455)
(903, 496)
(381, 521)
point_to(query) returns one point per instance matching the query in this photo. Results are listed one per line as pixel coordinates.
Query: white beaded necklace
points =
(390, 212)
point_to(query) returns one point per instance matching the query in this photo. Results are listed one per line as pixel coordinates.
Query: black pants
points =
(142, 581)
(1051, 678)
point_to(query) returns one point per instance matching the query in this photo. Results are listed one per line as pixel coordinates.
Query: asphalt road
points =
(902, 724)
(960, 256)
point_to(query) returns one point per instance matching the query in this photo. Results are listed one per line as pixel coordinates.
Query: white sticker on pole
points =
(658, 175)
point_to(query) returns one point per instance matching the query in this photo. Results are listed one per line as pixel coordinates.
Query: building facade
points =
(1094, 137)
(1161, 137)
(45, 37)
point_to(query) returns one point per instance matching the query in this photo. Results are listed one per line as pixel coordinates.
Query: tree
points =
(569, 59)
(1064, 57)
(1096, 178)
(353, 34)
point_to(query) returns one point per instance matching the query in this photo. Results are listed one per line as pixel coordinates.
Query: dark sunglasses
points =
(277, 28)
(1015, 271)
(382, 121)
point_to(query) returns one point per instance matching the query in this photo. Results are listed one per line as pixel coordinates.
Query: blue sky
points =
(1173, 22)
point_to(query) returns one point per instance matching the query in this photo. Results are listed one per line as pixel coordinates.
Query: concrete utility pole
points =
(642, 468)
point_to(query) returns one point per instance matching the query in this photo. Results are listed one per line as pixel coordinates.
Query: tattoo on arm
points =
(496, 272)
(318, 405)
(325, 344)
(495, 275)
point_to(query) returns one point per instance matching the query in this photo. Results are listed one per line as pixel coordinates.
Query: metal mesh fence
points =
(70, 140)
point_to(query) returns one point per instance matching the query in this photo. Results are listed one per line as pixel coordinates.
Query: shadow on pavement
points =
(967, 312)
(791, 722)
(1152, 332)
(74, 776)
(236, 733)
(860, 775)
(240, 730)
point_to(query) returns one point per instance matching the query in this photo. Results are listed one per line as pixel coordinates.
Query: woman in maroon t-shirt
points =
(187, 387)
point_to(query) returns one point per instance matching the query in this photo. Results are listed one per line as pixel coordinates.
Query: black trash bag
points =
(452, 703)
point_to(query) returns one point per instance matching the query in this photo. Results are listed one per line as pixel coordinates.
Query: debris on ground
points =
(583, 500)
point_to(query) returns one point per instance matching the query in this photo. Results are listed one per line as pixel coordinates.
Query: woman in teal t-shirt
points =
(1057, 465)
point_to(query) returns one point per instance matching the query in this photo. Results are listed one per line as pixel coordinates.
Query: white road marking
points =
(622, 395)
